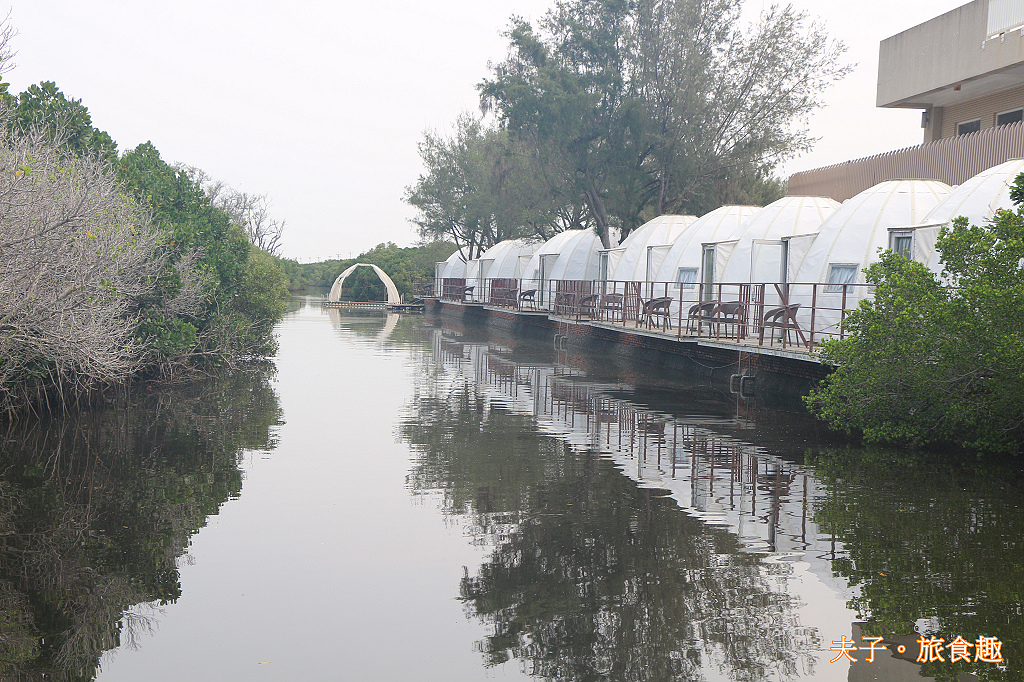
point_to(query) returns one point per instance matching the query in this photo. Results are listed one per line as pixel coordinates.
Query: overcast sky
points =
(320, 104)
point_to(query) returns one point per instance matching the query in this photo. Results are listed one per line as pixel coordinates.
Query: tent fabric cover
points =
(855, 234)
(979, 197)
(631, 265)
(688, 248)
(790, 215)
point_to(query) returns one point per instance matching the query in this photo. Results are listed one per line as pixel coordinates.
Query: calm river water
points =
(401, 501)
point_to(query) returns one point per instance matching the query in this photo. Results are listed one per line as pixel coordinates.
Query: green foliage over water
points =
(115, 266)
(931, 362)
(241, 290)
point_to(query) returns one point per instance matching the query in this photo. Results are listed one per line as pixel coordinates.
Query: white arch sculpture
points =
(393, 297)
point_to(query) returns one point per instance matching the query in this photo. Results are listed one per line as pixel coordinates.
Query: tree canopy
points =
(937, 360)
(485, 186)
(115, 265)
(45, 108)
(629, 109)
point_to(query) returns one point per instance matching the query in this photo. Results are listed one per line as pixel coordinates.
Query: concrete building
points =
(963, 69)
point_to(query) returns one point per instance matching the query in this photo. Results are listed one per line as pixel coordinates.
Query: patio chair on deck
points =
(783, 318)
(701, 314)
(509, 298)
(657, 307)
(611, 305)
(467, 293)
(732, 313)
(590, 305)
(565, 302)
(528, 295)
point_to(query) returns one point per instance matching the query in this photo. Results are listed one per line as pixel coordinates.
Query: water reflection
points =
(630, 543)
(932, 544)
(97, 508)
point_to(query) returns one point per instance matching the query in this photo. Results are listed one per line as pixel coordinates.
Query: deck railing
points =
(799, 315)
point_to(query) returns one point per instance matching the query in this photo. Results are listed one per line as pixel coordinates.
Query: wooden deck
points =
(375, 305)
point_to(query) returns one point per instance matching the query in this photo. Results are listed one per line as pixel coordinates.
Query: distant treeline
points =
(404, 265)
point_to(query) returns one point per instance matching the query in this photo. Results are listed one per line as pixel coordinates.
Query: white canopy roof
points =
(791, 215)
(688, 248)
(977, 199)
(850, 239)
(980, 197)
(860, 227)
(552, 247)
(630, 262)
(503, 260)
(453, 267)
(572, 255)
(580, 256)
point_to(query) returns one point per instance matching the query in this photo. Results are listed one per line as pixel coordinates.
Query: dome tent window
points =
(902, 242)
(839, 275)
(686, 277)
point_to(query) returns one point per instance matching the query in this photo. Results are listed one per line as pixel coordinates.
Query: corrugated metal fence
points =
(951, 160)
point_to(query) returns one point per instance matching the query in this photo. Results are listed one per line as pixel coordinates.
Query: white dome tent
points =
(688, 262)
(580, 256)
(850, 239)
(496, 273)
(977, 199)
(573, 255)
(544, 258)
(758, 252)
(632, 260)
(454, 268)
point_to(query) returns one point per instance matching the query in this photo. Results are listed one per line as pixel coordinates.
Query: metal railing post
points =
(814, 309)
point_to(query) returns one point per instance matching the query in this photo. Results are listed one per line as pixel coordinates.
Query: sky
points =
(320, 104)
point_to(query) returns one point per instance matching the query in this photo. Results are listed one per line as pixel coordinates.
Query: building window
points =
(840, 274)
(968, 127)
(1008, 117)
(902, 243)
(686, 277)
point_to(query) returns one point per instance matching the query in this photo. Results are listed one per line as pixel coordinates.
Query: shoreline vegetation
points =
(114, 266)
(937, 360)
(117, 267)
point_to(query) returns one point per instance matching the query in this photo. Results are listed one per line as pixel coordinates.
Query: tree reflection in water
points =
(934, 542)
(97, 507)
(629, 544)
(591, 576)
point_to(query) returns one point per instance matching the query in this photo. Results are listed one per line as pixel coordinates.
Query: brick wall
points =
(984, 108)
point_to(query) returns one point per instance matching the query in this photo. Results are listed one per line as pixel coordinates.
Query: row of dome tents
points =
(798, 240)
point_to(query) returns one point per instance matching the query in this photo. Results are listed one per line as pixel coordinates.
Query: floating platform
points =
(375, 305)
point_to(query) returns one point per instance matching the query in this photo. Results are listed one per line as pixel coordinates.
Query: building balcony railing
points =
(951, 160)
